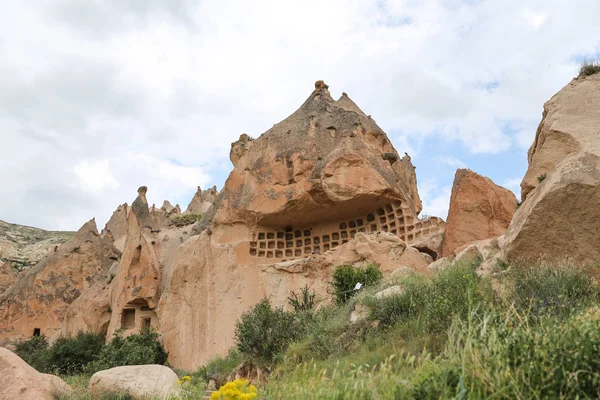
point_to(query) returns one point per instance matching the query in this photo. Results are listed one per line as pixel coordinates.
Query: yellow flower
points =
(240, 389)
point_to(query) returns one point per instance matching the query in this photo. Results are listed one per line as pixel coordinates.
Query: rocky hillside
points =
(24, 246)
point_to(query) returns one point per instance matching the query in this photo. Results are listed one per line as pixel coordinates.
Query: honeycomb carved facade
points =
(292, 243)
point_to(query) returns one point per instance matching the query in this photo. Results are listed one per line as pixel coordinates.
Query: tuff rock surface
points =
(202, 201)
(559, 217)
(42, 294)
(19, 381)
(155, 381)
(479, 209)
(322, 188)
(317, 190)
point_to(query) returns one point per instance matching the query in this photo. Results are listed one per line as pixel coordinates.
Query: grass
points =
(589, 68)
(455, 337)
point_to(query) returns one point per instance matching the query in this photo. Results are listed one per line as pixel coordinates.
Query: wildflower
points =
(240, 389)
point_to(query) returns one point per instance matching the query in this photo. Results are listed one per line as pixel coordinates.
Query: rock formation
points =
(559, 217)
(19, 381)
(322, 188)
(202, 201)
(141, 381)
(24, 246)
(305, 196)
(479, 209)
(37, 301)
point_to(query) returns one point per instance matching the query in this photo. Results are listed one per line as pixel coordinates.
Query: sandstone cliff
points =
(37, 301)
(479, 209)
(313, 192)
(322, 188)
(560, 216)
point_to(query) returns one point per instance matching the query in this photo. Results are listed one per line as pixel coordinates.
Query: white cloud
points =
(435, 198)
(452, 162)
(162, 89)
(513, 184)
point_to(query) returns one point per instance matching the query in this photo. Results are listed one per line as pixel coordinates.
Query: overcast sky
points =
(100, 97)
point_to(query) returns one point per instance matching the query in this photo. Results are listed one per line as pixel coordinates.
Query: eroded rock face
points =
(207, 294)
(559, 217)
(313, 192)
(479, 209)
(38, 300)
(7, 276)
(19, 381)
(569, 126)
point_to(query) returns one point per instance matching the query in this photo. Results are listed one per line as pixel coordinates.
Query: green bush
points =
(139, 349)
(34, 352)
(589, 68)
(70, 355)
(180, 220)
(264, 332)
(219, 368)
(436, 301)
(303, 301)
(345, 278)
(541, 178)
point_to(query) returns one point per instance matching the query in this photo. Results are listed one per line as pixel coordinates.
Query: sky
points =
(100, 97)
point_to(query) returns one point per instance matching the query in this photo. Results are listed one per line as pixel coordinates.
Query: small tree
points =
(303, 301)
(345, 278)
(70, 355)
(34, 352)
(264, 332)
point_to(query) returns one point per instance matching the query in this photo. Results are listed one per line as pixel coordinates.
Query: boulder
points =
(19, 381)
(559, 217)
(156, 381)
(479, 209)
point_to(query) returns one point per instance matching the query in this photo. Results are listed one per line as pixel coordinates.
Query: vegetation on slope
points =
(533, 334)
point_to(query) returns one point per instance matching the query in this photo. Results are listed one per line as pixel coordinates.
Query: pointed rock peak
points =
(347, 104)
(89, 226)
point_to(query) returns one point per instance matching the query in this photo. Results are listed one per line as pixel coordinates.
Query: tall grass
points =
(454, 337)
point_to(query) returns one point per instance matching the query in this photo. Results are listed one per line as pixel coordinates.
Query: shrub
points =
(34, 352)
(240, 389)
(185, 219)
(345, 278)
(303, 301)
(541, 178)
(131, 350)
(264, 332)
(589, 68)
(70, 355)
(219, 368)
